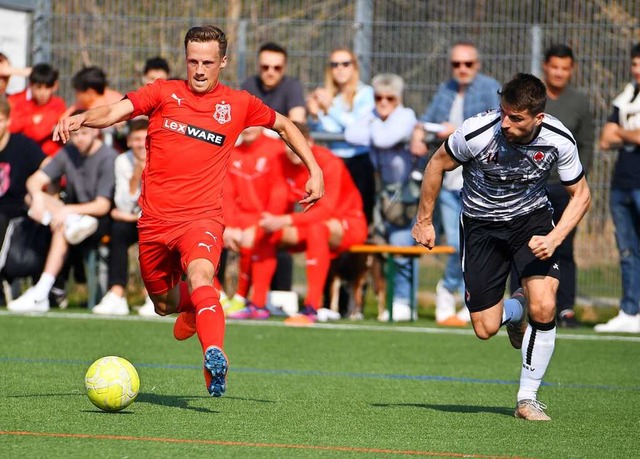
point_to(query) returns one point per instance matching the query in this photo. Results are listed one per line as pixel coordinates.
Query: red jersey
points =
(189, 139)
(247, 189)
(36, 121)
(341, 199)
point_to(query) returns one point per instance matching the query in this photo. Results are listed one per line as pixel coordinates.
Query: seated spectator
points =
(19, 158)
(386, 131)
(123, 230)
(155, 68)
(247, 195)
(330, 227)
(342, 100)
(36, 110)
(88, 166)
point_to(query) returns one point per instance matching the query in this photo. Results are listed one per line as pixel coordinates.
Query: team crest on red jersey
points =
(223, 113)
(538, 156)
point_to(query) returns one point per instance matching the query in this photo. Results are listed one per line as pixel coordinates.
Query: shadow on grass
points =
(182, 401)
(450, 408)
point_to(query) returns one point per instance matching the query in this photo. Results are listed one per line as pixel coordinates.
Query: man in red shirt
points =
(36, 110)
(331, 227)
(193, 126)
(247, 195)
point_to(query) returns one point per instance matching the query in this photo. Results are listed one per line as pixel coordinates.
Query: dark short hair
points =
(558, 50)
(524, 92)
(138, 124)
(156, 63)
(90, 78)
(205, 34)
(274, 48)
(635, 51)
(43, 74)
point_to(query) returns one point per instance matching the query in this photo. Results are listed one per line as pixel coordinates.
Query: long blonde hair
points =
(351, 87)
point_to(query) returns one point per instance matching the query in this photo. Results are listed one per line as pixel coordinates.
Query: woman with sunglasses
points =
(342, 100)
(386, 130)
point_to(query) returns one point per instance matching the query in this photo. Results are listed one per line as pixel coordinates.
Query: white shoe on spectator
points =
(79, 227)
(28, 302)
(401, 312)
(445, 303)
(325, 315)
(464, 315)
(622, 323)
(148, 309)
(111, 305)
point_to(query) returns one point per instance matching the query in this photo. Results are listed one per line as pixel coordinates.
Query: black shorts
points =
(489, 248)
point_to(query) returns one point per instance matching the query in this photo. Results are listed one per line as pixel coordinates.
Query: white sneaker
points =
(148, 309)
(445, 303)
(111, 305)
(79, 227)
(622, 323)
(464, 315)
(28, 302)
(325, 315)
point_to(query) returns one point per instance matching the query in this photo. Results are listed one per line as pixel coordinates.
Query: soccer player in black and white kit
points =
(506, 156)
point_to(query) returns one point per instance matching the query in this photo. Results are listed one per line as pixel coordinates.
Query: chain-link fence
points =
(410, 38)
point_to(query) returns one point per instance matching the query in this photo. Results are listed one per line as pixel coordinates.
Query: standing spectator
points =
(154, 68)
(386, 130)
(193, 126)
(325, 231)
(285, 95)
(342, 100)
(282, 93)
(36, 110)
(248, 193)
(19, 158)
(88, 166)
(123, 230)
(506, 219)
(622, 131)
(572, 108)
(467, 93)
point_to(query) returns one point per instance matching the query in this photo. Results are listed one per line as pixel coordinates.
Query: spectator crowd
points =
(86, 191)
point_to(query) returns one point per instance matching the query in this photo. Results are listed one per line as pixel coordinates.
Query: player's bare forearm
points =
(99, 117)
(579, 202)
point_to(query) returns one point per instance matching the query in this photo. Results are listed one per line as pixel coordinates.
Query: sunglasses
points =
(380, 98)
(335, 65)
(265, 68)
(467, 64)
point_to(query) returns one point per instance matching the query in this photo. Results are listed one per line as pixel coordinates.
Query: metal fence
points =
(410, 38)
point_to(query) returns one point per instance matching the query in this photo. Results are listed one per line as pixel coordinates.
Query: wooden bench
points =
(390, 268)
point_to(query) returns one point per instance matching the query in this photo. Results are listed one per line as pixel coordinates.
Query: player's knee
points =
(161, 308)
(484, 331)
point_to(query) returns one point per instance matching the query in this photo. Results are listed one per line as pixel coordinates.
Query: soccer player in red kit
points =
(247, 195)
(331, 227)
(193, 126)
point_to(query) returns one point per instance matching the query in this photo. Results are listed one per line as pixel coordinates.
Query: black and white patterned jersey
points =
(504, 180)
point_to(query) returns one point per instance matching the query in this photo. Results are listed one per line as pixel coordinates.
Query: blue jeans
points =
(450, 208)
(625, 211)
(401, 236)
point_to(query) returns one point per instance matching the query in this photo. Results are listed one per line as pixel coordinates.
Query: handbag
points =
(24, 249)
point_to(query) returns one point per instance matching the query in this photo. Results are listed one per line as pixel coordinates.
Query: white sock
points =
(537, 349)
(44, 285)
(511, 311)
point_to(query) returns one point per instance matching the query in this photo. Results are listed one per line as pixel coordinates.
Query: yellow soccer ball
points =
(112, 383)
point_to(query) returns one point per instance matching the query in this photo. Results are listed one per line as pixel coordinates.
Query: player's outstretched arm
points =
(99, 117)
(294, 138)
(423, 231)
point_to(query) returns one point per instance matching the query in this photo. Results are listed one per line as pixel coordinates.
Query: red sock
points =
(318, 256)
(184, 304)
(209, 316)
(244, 274)
(263, 267)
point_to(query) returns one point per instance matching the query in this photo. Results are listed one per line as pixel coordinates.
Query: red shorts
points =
(167, 248)
(355, 232)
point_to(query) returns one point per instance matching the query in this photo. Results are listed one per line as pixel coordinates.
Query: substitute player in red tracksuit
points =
(193, 126)
(247, 195)
(332, 226)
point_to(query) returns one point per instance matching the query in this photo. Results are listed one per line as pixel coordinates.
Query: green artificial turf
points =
(352, 391)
